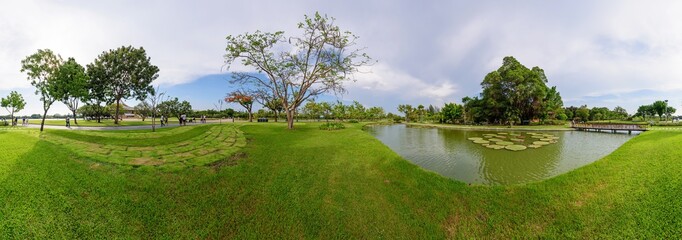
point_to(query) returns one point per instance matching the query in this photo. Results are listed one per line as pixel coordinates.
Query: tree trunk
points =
(290, 119)
(118, 105)
(74, 117)
(42, 123)
(275, 116)
(250, 116)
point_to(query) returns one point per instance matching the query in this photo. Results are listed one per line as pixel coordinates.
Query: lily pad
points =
(502, 133)
(495, 146)
(475, 138)
(538, 136)
(481, 141)
(540, 143)
(495, 140)
(534, 146)
(505, 143)
(516, 140)
(546, 139)
(515, 147)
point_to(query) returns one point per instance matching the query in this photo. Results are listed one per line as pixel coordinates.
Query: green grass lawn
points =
(103, 123)
(309, 183)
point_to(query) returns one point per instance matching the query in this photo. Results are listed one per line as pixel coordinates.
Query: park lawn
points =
(103, 123)
(309, 183)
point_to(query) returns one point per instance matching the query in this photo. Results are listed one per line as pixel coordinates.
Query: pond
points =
(484, 157)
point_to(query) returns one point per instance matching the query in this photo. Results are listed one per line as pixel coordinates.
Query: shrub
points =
(353, 121)
(332, 126)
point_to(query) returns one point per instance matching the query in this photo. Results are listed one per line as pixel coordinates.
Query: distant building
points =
(128, 112)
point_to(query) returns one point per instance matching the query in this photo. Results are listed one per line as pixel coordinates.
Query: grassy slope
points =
(103, 123)
(340, 184)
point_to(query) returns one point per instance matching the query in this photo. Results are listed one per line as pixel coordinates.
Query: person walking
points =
(162, 121)
(68, 122)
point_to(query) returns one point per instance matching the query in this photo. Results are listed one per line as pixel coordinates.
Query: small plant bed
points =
(514, 141)
(332, 126)
(175, 148)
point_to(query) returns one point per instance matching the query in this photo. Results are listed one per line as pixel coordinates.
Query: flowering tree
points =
(242, 98)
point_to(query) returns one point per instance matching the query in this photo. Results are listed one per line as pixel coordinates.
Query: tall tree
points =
(242, 98)
(514, 92)
(13, 103)
(659, 107)
(42, 69)
(124, 72)
(318, 61)
(74, 85)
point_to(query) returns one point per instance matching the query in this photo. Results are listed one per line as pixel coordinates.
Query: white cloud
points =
(428, 52)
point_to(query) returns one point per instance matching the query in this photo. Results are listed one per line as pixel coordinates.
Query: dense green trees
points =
(175, 108)
(659, 108)
(123, 73)
(340, 112)
(318, 61)
(515, 93)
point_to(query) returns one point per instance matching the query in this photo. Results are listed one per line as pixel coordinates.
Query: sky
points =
(599, 53)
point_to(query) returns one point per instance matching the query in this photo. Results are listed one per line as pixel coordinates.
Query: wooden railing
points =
(605, 126)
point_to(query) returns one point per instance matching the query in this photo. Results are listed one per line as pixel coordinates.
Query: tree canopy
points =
(42, 69)
(123, 73)
(514, 92)
(13, 103)
(316, 62)
(74, 85)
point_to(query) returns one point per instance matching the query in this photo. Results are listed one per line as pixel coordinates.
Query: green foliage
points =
(512, 93)
(74, 85)
(452, 112)
(323, 57)
(42, 69)
(175, 108)
(13, 103)
(123, 73)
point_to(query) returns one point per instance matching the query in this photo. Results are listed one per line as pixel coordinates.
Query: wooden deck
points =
(599, 127)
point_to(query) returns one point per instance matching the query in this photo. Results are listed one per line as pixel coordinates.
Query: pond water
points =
(455, 154)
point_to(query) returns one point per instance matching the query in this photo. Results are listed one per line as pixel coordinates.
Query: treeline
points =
(515, 94)
(512, 94)
(340, 111)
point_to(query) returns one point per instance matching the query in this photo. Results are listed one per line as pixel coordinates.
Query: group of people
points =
(14, 122)
(183, 120)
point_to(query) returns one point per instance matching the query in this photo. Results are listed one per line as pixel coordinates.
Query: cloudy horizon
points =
(599, 53)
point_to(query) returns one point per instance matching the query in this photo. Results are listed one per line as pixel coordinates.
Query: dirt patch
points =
(95, 166)
(452, 224)
(229, 161)
(145, 161)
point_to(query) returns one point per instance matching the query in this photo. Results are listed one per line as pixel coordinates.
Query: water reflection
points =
(449, 153)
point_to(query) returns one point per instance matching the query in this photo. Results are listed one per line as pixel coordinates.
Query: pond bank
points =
(493, 127)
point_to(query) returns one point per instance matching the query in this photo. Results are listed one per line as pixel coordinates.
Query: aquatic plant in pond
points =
(514, 141)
